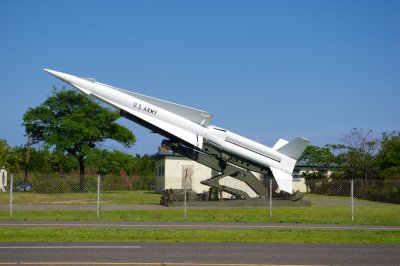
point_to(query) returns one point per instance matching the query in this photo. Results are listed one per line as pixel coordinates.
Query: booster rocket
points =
(192, 127)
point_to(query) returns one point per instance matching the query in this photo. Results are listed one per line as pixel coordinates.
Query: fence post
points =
(352, 200)
(185, 207)
(270, 198)
(98, 196)
(11, 194)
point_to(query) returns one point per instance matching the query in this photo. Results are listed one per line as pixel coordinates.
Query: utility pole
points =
(28, 148)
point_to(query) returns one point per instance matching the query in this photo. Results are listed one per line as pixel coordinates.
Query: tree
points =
(135, 170)
(110, 162)
(73, 123)
(10, 158)
(319, 159)
(388, 162)
(361, 147)
(39, 160)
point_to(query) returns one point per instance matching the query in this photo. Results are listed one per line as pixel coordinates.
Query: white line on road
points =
(71, 247)
(143, 263)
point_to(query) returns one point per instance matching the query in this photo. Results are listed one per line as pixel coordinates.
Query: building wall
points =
(160, 176)
(179, 169)
(299, 184)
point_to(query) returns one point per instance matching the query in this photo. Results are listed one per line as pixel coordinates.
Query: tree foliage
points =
(361, 155)
(73, 123)
(10, 158)
(388, 161)
(113, 162)
(361, 147)
(319, 159)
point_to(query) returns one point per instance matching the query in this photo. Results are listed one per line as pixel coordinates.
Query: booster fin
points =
(293, 149)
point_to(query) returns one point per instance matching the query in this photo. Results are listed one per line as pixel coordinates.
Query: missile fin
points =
(283, 179)
(295, 148)
(280, 143)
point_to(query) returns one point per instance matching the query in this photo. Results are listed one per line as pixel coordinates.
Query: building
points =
(3, 179)
(178, 172)
(299, 183)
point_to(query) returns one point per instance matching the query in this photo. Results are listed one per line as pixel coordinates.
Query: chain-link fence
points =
(134, 198)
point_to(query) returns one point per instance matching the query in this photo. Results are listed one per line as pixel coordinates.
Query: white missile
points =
(191, 126)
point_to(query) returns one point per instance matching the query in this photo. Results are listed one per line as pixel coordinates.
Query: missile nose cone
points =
(64, 77)
(72, 80)
(54, 73)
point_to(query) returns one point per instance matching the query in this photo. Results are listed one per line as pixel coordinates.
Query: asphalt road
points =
(197, 254)
(194, 253)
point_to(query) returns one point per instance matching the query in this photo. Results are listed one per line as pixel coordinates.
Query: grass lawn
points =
(378, 215)
(118, 197)
(385, 214)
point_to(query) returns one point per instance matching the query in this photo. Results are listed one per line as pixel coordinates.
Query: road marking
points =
(71, 247)
(141, 263)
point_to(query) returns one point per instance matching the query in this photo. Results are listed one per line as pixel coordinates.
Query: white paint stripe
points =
(141, 263)
(71, 247)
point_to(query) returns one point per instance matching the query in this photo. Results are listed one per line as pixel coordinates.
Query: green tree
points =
(113, 162)
(146, 171)
(39, 160)
(146, 165)
(110, 162)
(389, 156)
(10, 158)
(319, 159)
(360, 157)
(73, 123)
(63, 163)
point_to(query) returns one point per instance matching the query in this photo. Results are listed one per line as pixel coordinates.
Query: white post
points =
(184, 187)
(98, 196)
(352, 200)
(270, 198)
(11, 195)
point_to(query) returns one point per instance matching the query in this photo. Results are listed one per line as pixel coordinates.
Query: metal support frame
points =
(226, 165)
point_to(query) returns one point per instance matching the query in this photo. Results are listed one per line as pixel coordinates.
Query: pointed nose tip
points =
(48, 70)
(52, 72)
(64, 77)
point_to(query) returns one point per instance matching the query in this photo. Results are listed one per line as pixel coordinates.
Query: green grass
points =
(130, 197)
(377, 215)
(385, 214)
(118, 197)
(218, 236)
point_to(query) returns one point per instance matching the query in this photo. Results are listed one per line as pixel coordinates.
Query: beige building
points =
(299, 183)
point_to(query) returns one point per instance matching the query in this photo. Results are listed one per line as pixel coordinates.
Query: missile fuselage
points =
(190, 126)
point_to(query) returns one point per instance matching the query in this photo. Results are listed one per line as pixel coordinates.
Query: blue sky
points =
(265, 69)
